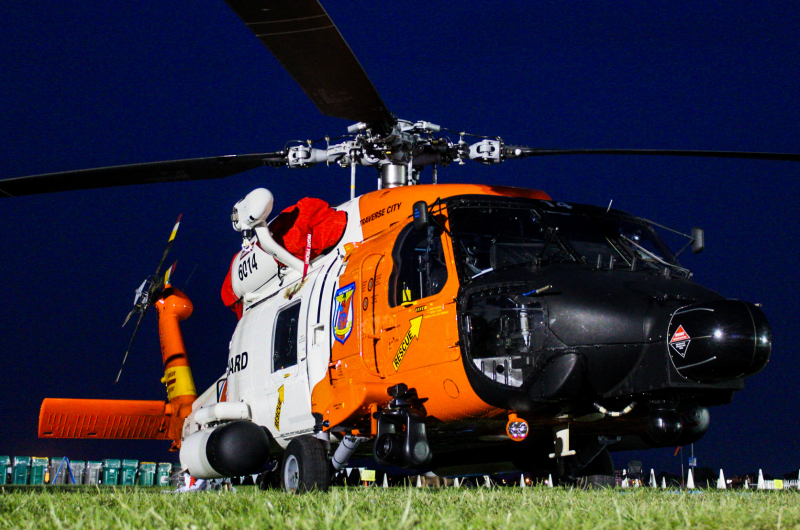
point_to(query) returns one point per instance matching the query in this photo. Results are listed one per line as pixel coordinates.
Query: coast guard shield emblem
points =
(343, 312)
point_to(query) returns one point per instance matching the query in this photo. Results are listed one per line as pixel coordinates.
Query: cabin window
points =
(284, 350)
(420, 269)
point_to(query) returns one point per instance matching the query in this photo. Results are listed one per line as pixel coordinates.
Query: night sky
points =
(88, 84)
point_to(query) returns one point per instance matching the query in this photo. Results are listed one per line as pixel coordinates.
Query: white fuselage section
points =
(281, 347)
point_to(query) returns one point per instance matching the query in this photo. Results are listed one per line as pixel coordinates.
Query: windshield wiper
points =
(686, 272)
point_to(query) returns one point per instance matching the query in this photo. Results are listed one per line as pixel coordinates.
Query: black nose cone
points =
(719, 341)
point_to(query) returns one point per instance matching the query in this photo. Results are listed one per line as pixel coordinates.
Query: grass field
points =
(398, 508)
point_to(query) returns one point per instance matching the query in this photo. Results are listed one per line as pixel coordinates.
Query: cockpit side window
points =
(284, 347)
(420, 269)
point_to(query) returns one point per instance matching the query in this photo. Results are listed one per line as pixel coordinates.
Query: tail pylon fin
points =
(104, 419)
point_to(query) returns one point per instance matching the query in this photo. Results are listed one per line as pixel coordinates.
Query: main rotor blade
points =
(524, 152)
(151, 172)
(302, 36)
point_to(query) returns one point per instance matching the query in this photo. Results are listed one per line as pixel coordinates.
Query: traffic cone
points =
(549, 481)
(663, 483)
(690, 481)
(456, 483)
(653, 483)
(625, 483)
(761, 484)
(522, 480)
(721, 485)
(419, 481)
(385, 480)
(487, 482)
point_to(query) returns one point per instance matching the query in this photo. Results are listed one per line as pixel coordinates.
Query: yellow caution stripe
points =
(179, 382)
(278, 409)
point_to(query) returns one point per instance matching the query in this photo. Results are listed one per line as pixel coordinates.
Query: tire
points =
(599, 473)
(305, 466)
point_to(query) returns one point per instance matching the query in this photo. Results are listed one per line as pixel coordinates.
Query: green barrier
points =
(163, 472)
(128, 472)
(111, 472)
(93, 472)
(147, 474)
(38, 470)
(20, 470)
(5, 469)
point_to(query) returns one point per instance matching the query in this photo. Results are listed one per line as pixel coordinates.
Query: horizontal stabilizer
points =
(103, 418)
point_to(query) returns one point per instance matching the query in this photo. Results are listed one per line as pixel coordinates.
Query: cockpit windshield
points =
(496, 234)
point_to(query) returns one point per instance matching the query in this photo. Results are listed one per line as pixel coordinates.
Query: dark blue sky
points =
(88, 84)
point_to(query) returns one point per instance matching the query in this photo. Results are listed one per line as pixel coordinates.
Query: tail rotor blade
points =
(125, 358)
(130, 314)
(169, 273)
(169, 246)
(149, 291)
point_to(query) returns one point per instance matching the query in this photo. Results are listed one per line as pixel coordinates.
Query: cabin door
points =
(288, 381)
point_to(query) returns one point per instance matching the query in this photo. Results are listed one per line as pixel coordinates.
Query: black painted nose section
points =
(718, 341)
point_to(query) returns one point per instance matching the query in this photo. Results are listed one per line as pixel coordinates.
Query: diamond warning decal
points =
(680, 335)
(680, 341)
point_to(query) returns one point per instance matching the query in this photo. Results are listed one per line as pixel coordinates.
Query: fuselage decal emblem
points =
(343, 314)
(680, 341)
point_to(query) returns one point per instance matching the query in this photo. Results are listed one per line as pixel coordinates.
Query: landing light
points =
(718, 334)
(517, 429)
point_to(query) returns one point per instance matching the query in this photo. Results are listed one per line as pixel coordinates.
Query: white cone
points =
(690, 481)
(522, 481)
(487, 482)
(653, 483)
(747, 483)
(625, 483)
(663, 483)
(348, 470)
(721, 485)
(761, 484)
(419, 481)
(456, 483)
(549, 481)
(385, 480)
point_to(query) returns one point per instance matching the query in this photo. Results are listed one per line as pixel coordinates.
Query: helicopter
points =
(450, 256)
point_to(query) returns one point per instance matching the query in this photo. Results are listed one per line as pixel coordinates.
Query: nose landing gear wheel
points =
(305, 466)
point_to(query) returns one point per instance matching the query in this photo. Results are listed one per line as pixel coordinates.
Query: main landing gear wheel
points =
(305, 466)
(599, 473)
